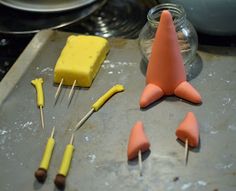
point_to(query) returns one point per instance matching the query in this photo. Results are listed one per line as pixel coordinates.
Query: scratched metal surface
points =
(99, 161)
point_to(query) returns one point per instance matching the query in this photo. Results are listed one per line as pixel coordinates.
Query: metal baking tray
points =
(100, 161)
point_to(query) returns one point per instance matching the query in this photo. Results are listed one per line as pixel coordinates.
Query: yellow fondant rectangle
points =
(80, 60)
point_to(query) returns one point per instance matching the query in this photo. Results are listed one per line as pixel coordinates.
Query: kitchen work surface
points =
(100, 156)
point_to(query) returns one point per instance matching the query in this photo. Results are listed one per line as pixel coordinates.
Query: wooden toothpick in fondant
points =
(138, 143)
(188, 133)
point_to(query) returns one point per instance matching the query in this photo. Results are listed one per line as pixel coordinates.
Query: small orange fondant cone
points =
(137, 141)
(191, 95)
(189, 130)
(165, 69)
(150, 94)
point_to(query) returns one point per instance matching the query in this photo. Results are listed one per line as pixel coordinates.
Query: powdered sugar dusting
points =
(186, 186)
(232, 127)
(226, 101)
(91, 158)
(47, 69)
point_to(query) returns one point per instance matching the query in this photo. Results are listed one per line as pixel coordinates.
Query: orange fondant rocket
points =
(138, 141)
(165, 72)
(189, 130)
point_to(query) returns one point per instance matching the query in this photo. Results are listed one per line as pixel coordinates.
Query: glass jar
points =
(187, 36)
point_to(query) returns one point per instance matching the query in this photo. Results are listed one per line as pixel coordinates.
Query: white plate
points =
(45, 5)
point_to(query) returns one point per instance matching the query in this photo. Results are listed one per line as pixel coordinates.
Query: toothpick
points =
(41, 115)
(78, 125)
(72, 139)
(140, 163)
(58, 89)
(183, 51)
(186, 152)
(52, 133)
(72, 90)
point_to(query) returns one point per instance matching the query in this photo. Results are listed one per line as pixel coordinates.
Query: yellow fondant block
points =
(80, 60)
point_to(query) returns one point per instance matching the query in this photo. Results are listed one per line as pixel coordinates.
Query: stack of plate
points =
(33, 16)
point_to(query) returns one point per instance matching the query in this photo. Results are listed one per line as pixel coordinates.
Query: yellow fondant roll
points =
(47, 154)
(39, 89)
(65, 164)
(115, 89)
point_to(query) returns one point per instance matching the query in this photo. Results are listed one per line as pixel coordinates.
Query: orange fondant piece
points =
(189, 129)
(137, 141)
(165, 69)
(191, 95)
(151, 93)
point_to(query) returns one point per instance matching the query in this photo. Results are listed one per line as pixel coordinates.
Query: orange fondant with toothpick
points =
(165, 72)
(137, 141)
(189, 129)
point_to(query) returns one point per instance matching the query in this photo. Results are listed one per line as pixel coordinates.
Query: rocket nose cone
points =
(166, 17)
